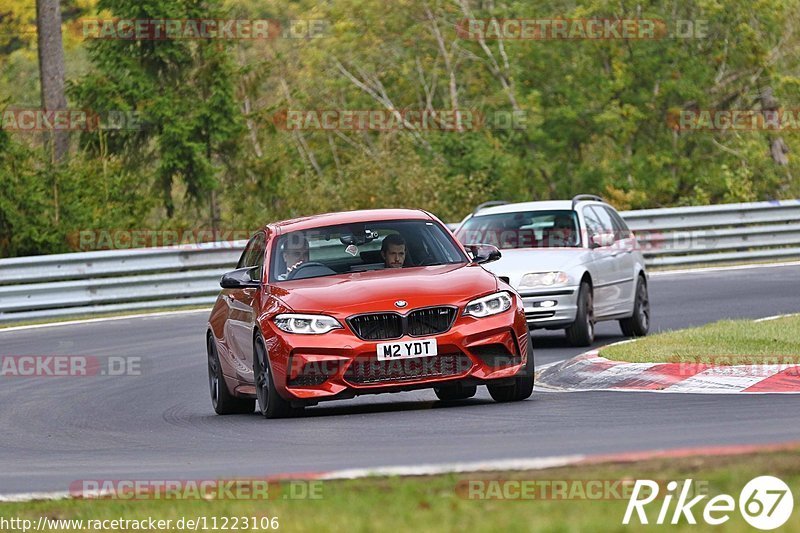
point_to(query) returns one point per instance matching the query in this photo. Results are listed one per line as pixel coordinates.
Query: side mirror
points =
(602, 239)
(483, 253)
(241, 278)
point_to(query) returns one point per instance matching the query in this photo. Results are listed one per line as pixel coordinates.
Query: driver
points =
(295, 253)
(393, 251)
(562, 232)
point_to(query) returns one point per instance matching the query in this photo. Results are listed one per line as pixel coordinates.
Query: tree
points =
(183, 92)
(51, 71)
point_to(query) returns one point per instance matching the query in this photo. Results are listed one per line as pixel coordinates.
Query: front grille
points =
(377, 326)
(418, 323)
(430, 321)
(308, 380)
(367, 371)
(314, 373)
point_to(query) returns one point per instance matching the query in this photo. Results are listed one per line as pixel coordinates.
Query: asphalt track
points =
(160, 425)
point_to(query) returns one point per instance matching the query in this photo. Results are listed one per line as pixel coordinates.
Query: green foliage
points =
(23, 203)
(595, 116)
(89, 197)
(181, 89)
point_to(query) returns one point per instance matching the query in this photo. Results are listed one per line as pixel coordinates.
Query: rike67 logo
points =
(765, 503)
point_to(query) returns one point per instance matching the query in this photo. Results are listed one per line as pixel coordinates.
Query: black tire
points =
(639, 324)
(270, 403)
(521, 389)
(223, 401)
(581, 332)
(458, 391)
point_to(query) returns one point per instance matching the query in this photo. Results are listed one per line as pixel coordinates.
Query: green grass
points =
(433, 503)
(725, 342)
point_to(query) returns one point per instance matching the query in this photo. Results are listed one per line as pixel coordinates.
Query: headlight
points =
(306, 324)
(489, 305)
(543, 279)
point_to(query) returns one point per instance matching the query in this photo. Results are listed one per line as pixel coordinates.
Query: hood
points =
(517, 262)
(378, 290)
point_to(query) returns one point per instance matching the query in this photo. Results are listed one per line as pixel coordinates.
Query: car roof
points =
(348, 217)
(547, 205)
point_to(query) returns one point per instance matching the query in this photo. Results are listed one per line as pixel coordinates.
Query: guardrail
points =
(685, 236)
(75, 284)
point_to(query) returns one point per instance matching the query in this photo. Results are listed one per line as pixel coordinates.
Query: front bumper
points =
(558, 313)
(339, 364)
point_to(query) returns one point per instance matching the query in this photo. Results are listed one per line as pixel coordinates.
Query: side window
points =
(593, 225)
(253, 254)
(621, 230)
(247, 251)
(604, 218)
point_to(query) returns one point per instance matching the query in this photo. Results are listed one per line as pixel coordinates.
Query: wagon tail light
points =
(306, 324)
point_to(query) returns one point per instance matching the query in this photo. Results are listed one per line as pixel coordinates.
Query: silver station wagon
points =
(574, 262)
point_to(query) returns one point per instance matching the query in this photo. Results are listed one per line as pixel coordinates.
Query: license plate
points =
(406, 350)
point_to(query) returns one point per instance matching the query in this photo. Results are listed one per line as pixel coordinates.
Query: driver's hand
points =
(294, 266)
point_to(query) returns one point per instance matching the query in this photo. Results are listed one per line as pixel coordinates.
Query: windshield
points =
(343, 249)
(527, 229)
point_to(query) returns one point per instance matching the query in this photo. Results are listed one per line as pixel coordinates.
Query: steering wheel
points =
(301, 266)
(428, 260)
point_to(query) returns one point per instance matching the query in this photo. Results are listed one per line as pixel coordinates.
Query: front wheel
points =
(581, 332)
(223, 401)
(270, 403)
(522, 388)
(638, 324)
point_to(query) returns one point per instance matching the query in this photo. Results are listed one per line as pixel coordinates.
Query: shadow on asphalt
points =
(332, 409)
(353, 407)
(556, 341)
(389, 407)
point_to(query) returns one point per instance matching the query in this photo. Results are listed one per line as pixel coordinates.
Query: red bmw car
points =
(337, 305)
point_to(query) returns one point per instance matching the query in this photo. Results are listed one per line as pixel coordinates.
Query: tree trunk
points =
(770, 109)
(213, 205)
(51, 72)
